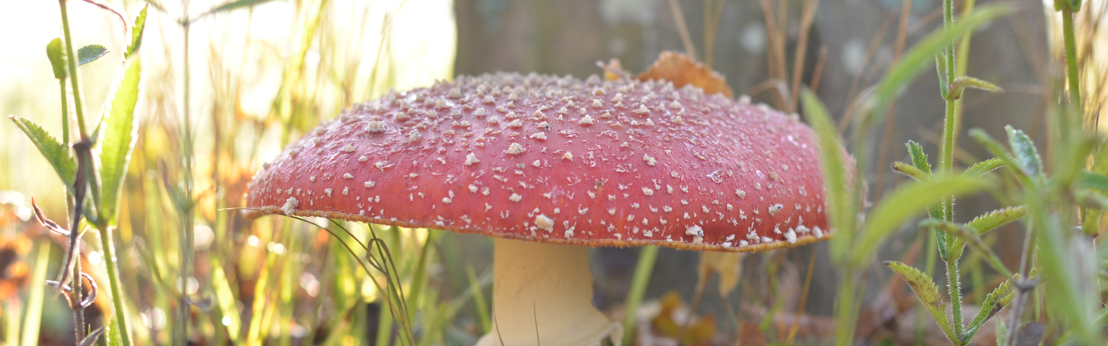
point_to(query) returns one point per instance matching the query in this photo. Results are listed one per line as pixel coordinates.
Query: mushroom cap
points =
(560, 160)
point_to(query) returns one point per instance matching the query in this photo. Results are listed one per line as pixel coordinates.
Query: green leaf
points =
(963, 82)
(910, 171)
(90, 53)
(919, 158)
(916, 59)
(981, 168)
(136, 32)
(1090, 180)
(232, 5)
(1001, 154)
(834, 179)
(1001, 332)
(112, 334)
(57, 154)
(996, 218)
(1025, 152)
(902, 204)
(927, 293)
(996, 300)
(55, 51)
(119, 138)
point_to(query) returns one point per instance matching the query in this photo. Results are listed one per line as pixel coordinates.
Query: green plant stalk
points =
(946, 166)
(954, 283)
(844, 309)
(645, 266)
(33, 318)
(1072, 73)
(72, 60)
(75, 296)
(114, 285)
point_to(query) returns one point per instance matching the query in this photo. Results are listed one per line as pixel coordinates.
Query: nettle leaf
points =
(984, 167)
(910, 171)
(919, 158)
(902, 204)
(834, 179)
(996, 300)
(927, 293)
(57, 154)
(90, 53)
(136, 32)
(55, 51)
(120, 134)
(996, 218)
(1025, 152)
(963, 82)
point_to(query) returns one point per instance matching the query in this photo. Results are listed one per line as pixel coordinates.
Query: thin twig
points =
(682, 29)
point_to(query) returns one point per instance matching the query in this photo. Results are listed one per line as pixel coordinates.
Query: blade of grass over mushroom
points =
(996, 300)
(928, 294)
(834, 170)
(55, 153)
(119, 139)
(902, 204)
(915, 59)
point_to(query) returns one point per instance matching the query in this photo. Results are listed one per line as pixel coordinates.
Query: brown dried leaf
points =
(729, 266)
(683, 70)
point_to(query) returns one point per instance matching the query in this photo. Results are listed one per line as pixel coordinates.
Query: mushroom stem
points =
(542, 295)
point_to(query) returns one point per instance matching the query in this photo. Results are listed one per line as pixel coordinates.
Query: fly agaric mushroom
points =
(549, 165)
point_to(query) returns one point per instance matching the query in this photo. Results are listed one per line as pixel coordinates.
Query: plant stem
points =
(954, 283)
(114, 284)
(75, 295)
(73, 71)
(185, 206)
(844, 309)
(1072, 74)
(643, 269)
(1021, 294)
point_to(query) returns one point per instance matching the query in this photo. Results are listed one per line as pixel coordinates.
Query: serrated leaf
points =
(90, 53)
(55, 51)
(996, 218)
(1024, 150)
(927, 293)
(232, 5)
(910, 171)
(913, 61)
(963, 82)
(120, 134)
(999, 152)
(834, 173)
(919, 158)
(904, 203)
(981, 168)
(136, 32)
(57, 154)
(996, 300)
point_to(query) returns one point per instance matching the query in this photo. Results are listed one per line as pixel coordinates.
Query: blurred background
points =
(262, 75)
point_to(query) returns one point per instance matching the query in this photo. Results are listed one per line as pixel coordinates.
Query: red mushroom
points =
(543, 161)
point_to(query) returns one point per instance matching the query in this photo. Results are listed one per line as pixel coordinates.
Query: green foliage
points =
(90, 53)
(965, 235)
(230, 6)
(927, 293)
(987, 222)
(919, 158)
(55, 51)
(136, 33)
(58, 155)
(963, 82)
(840, 211)
(940, 67)
(119, 138)
(984, 167)
(910, 171)
(996, 300)
(1026, 154)
(901, 204)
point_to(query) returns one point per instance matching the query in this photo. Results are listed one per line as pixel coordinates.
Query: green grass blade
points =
(902, 204)
(835, 181)
(913, 61)
(119, 138)
(58, 155)
(927, 293)
(32, 320)
(996, 218)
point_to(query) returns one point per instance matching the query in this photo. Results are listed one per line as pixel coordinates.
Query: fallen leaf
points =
(683, 70)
